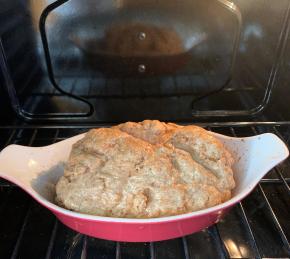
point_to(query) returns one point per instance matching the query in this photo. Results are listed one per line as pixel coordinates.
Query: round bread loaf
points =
(144, 170)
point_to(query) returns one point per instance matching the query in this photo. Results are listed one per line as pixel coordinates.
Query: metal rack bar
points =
(118, 250)
(275, 219)
(280, 135)
(84, 248)
(185, 248)
(152, 250)
(223, 252)
(51, 241)
(9, 140)
(76, 240)
(249, 231)
(283, 179)
(274, 181)
(20, 235)
(96, 125)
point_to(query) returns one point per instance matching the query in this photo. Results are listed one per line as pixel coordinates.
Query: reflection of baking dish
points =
(138, 49)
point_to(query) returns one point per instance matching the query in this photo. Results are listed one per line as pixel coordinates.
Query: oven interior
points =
(216, 63)
(221, 60)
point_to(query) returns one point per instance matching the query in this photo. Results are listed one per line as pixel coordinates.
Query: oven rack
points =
(258, 227)
(114, 100)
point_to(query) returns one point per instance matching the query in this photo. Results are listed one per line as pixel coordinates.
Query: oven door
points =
(103, 61)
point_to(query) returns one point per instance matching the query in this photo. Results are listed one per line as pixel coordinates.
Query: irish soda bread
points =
(144, 170)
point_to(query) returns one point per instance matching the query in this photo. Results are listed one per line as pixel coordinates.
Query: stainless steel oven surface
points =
(70, 65)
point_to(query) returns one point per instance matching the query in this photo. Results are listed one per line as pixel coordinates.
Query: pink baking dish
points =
(36, 170)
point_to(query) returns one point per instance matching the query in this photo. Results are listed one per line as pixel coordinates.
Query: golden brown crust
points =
(144, 170)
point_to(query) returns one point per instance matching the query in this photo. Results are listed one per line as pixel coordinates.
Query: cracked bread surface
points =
(145, 170)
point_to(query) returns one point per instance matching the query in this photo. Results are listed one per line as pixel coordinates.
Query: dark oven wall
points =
(5, 107)
(19, 64)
